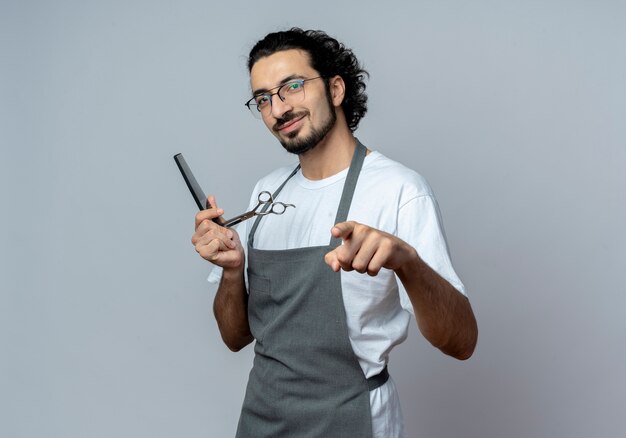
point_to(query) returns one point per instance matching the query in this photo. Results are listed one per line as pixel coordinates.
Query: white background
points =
(513, 110)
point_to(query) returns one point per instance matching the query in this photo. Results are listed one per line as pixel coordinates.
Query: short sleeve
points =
(420, 225)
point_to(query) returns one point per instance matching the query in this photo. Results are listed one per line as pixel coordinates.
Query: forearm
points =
(444, 315)
(231, 310)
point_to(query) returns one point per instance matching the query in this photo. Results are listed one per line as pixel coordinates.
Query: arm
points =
(222, 247)
(230, 308)
(444, 316)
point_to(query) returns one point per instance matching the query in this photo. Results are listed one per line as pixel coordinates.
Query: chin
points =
(298, 146)
(297, 142)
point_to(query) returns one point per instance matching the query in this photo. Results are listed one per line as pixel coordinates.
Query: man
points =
(330, 285)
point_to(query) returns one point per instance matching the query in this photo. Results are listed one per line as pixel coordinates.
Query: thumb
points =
(211, 202)
(331, 260)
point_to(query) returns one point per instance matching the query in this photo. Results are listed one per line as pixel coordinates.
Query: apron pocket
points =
(260, 305)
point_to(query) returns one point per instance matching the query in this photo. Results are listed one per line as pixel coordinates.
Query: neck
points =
(332, 155)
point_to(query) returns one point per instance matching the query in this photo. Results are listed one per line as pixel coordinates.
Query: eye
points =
(262, 100)
(292, 87)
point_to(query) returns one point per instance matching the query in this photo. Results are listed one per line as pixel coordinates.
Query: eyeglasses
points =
(291, 92)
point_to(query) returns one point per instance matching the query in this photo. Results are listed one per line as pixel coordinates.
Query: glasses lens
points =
(254, 109)
(292, 92)
(260, 105)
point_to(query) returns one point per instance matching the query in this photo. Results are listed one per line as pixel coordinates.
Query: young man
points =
(330, 285)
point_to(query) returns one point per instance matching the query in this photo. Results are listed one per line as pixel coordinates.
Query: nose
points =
(279, 107)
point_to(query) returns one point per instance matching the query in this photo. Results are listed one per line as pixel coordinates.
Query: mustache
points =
(286, 118)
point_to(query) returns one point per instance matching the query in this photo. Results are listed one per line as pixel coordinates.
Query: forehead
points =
(270, 71)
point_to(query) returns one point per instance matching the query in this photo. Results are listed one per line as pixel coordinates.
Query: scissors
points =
(270, 206)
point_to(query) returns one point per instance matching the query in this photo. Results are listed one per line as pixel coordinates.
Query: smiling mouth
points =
(286, 125)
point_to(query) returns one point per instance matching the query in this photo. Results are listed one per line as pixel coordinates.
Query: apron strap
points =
(266, 206)
(346, 196)
(348, 188)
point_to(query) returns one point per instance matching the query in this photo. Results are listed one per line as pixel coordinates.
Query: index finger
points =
(210, 213)
(343, 230)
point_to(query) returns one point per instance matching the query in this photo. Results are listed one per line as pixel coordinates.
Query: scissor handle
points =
(280, 207)
(265, 197)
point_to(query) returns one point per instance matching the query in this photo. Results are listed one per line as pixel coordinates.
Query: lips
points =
(290, 125)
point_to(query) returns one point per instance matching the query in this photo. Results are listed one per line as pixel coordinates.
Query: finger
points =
(204, 228)
(210, 248)
(343, 256)
(208, 225)
(343, 230)
(224, 235)
(209, 213)
(331, 260)
(207, 230)
(376, 263)
(362, 258)
(212, 201)
(224, 258)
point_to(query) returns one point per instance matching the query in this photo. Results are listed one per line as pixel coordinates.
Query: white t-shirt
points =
(391, 198)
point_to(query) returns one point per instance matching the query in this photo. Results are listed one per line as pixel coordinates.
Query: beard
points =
(298, 146)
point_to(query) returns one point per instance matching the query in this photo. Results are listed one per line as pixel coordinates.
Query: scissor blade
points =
(237, 220)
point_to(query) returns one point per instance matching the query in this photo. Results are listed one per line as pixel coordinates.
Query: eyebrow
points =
(282, 82)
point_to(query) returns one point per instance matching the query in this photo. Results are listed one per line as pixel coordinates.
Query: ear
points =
(337, 88)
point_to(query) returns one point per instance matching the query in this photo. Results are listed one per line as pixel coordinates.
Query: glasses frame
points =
(251, 104)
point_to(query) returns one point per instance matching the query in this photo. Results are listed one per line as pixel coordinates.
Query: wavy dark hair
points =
(329, 57)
